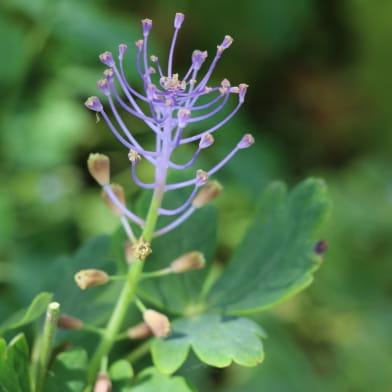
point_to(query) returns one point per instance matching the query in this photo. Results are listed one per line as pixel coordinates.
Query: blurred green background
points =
(319, 104)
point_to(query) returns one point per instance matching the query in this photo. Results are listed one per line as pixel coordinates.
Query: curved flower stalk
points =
(174, 104)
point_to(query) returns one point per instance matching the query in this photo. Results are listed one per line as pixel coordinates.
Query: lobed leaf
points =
(68, 373)
(151, 380)
(277, 256)
(216, 340)
(14, 365)
(121, 374)
(32, 312)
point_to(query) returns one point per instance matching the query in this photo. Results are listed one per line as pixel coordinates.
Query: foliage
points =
(318, 105)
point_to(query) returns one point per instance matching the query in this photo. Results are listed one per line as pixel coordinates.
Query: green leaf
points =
(121, 374)
(216, 340)
(68, 373)
(31, 313)
(14, 365)
(276, 258)
(178, 293)
(151, 380)
(95, 304)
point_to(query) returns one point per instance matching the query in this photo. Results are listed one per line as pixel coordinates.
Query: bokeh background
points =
(319, 104)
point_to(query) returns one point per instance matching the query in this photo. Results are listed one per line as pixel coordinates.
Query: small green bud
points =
(208, 193)
(103, 383)
(157, 322)
(119, 193)
(188, 262)
(99, 167)
(68, 322)
(139, 331)
(90, 277)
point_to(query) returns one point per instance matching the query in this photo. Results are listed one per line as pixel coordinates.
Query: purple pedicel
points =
(174, 104)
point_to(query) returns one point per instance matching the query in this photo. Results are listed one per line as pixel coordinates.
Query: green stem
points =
(127, 294)
(140, 305)
(152, 216)
(117, 277)
(52, 315)
(91, 328)
(139, 351)
(118, 315)
(156, 274)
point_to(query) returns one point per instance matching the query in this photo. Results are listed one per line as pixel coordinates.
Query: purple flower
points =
(174, 104)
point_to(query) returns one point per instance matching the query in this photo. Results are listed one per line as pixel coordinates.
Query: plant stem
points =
(52, 314)
(140, 305)
(157, 274)
(139, 351)
(109, 336)
(135, 270)
(127, 294)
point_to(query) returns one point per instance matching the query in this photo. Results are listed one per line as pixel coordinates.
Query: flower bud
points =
(94, 104)
(107, 59)
(198, 58)
(104, 86)
(139, 44)
(179, 18)
(68, 322)
(157, 322)
(147, 25)
(225, 86)
(201, 177)
(119, 193)
(188, 262)
(246, 141)
(90, 277)
(109, 74)
(139, 331)
(103, 383)
(206, 140)
(227, 41)
(150, 91)
(141, 249)
(183, 116)
(208, 193)
(121, 50)
(99, 167)
(242, 89)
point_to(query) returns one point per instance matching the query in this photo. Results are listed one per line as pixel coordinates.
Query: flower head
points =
(176, 101)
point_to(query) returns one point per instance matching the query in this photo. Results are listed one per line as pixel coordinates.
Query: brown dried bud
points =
(158, 323)
(119, 193)
(141, 249)
(208, 193)
(91, 277)
(103, 383)
(188, 262)
(68, 322)
(128, 251)
(99, 167)
(139, 331)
